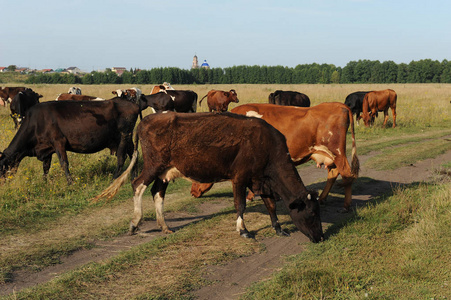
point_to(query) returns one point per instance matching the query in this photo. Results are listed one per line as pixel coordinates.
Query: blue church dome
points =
(205, 64)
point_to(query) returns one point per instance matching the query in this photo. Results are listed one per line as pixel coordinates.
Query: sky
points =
(94, 34)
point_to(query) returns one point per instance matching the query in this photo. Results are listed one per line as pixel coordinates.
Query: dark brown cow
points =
(76, 126)
(7, 94)
(220, 100)
(167, 140)
(289, 98)
(379, 101)
(317, 133)
(68, 96)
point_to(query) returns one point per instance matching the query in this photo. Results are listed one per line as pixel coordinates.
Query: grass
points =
(395, 249)
(41, 222)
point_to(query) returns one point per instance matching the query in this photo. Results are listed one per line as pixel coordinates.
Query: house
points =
(44, 71)
(73, 70)
(118, 70)
(3, 69)
(22, 70)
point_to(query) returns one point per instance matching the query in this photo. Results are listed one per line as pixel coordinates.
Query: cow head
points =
(119, 93)
(305, 213)
(233, 96)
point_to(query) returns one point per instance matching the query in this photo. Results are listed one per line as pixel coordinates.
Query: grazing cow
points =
(379, 101)
(167, 140)
(159, 102)
(132, 94)
(21, 103)
(355, 102)
(74, 90)
(161, 88)
(317, 133)
(76, 126)
(7, 94)
(289, 98)
(68, 96)
(220, 100)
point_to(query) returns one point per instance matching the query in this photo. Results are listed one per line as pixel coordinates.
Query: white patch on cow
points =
(153, 110)
(57, 97)
(170, 174)
(172, 97)
(254, 114)
(98, 99)
(338, 150)
(137, 200)
(240, 224)
(159, 208)
(167, 86)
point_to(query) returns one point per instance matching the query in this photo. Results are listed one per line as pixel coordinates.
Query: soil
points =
(231, 280)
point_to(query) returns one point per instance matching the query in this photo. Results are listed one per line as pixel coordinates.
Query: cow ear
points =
(226, 94)
(297, 204)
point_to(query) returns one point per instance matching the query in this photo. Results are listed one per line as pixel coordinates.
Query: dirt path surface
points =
(231, 280)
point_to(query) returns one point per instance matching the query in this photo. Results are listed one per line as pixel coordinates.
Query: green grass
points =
(397, 248)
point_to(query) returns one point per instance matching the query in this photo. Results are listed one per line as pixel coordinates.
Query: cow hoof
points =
(133, 229)
(246, 234)
(343, 210)
(281, 232)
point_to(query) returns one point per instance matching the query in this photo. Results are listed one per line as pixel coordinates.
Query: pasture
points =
(42, 223)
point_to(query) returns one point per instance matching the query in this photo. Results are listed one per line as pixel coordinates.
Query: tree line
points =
(362, 71)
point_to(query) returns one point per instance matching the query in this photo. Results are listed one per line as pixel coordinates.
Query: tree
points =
(12, 68)
(335, 77)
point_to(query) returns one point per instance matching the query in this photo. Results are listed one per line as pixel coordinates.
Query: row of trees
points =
(362, 71)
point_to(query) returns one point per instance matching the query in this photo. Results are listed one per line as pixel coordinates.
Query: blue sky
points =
(94, 35)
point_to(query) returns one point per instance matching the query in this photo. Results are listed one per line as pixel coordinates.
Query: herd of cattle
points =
(255, 146)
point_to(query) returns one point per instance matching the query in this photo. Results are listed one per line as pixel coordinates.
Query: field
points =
(395, 245)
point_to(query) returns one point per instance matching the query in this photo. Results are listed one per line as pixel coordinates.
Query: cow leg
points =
(121, 156)
(46, 163)
(158, 191)
(239, 196)
(332, 174)
(347, 183)
(62, 156)
(385, 118)
(271, 207)
(139, 185)
(393, 110)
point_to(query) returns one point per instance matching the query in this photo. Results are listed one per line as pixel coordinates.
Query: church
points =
(195, 65)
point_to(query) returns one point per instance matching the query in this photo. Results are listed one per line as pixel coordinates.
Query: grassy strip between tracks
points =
(399, 248)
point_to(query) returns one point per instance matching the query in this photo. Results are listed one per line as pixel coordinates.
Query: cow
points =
(21, 103)
(264, 167)
(77, 97)
(317, 133)
(132, 94)
(74, 90)
(379, 101)
(220, 100)
(7, 94)
(159, 102)
(289, 98)
(161, 88)
(76, 126)
(355, 102)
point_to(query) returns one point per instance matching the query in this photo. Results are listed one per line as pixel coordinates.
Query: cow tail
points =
(202, 99)
(114, 187)
(355, 164)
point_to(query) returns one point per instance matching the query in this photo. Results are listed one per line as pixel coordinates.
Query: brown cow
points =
(68, 96)
(219, 100)
(167, 140)
(379, 101)
(317, 133)
(161, 88)
(7, 94)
